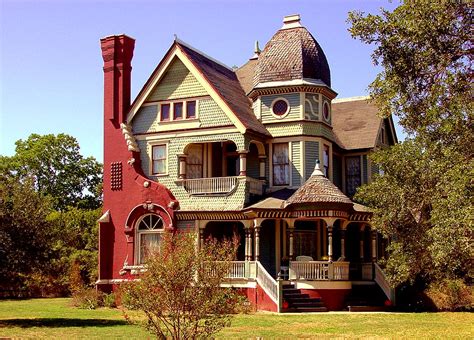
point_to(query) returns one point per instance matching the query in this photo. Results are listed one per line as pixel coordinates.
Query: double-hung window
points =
(149, 231)
(159, 159)
(281, 164)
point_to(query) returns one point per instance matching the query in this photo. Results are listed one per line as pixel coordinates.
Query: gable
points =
(178, 82)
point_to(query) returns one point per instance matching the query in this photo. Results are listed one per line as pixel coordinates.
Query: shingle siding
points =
(294, 113)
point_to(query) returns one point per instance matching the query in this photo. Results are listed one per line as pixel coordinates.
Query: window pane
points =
(194, 161)
(178, 110)
(191, 109)
(165, 111)
(159, 167)
(159, 152)
(280, 164)
(352, 175)
(326, 160)
(149, 243)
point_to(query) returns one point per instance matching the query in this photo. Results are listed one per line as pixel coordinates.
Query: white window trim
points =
(287, 109)
(271, 165)
(150, 152)
(138, 233)
(185, 109)
(328, 120)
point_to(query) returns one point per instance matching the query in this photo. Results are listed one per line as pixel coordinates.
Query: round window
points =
(280, 107)
(326, 111)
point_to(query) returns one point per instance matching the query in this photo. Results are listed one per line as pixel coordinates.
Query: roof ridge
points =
(181, 42)
(350, 99)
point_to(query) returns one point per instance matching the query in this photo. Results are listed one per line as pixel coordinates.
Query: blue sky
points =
(51, 77)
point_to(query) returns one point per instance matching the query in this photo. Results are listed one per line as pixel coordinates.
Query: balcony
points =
(221, 186)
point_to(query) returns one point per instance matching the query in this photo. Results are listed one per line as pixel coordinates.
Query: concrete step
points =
(303, 299)
(295, 295)
(305, 309)
(307, 304)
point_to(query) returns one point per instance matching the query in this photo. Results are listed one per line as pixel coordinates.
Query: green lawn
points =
(54, 318)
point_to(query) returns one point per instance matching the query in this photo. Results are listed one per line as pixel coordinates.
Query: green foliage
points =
(24, 234)
(87, 298)
(423, 200)
(57, 169)
(180, 291)
(451, 295)
(46, 225)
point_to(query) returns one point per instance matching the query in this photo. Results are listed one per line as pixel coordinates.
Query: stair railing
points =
(382, 281)
(272, 287)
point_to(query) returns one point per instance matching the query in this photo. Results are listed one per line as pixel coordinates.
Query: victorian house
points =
(264, 151)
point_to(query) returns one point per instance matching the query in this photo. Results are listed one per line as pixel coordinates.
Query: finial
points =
(317, 171)
(175, 37)
(256, 51)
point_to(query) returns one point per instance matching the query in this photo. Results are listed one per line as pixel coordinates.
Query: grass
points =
(54, 318)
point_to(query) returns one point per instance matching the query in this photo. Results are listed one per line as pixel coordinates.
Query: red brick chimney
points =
(117, 52)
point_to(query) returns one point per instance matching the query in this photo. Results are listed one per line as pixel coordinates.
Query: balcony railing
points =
(220, 185)
(319, 270)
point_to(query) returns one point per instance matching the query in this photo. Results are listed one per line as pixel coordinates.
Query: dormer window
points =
(178, 110)
(280, 107)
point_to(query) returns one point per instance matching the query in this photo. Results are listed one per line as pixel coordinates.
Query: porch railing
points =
(237, 270)
(382, 281)
(220, 185)
(212, 185)
(319, 270)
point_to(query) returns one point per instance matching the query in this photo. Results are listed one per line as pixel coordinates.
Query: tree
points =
(57, 169)
(423, 200)
(180, 292)
(24, 234)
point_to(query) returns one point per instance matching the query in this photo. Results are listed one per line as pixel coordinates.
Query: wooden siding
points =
(296, 163)
(146, 119)
(311, 106)
(311, 155)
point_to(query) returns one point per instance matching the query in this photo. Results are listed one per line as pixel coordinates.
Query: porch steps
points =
(299, 302)
(365, 297)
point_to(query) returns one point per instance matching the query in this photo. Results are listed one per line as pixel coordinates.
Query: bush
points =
(87, 298)
(109, 300)
(451, 295)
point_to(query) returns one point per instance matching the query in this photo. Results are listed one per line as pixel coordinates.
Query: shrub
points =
(451, 295)
(87, 298)
(109, 300)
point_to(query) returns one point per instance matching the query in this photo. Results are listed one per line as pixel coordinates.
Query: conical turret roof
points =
(318, 190)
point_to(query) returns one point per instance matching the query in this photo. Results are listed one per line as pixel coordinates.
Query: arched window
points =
(149, 230)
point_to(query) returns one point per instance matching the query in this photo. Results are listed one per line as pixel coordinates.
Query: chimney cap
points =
(291, 21)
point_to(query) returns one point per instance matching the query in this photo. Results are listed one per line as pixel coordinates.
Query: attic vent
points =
(291, 21)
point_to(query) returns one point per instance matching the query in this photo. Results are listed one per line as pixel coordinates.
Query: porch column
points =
(291, 228)
(343, 239)
(182, 166)
(373, 235)
(257, 242)
(248, 244)
(201, 238)
(361, 243)
(243, 162)
(330, 223)
(262, 159)
(329, 243)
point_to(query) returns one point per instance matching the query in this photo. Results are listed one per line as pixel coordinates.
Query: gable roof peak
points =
(185, 44)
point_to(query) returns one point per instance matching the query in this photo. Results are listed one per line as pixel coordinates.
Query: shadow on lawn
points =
(60, 322)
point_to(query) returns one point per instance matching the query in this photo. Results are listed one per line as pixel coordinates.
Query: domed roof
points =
(292, 53)
(318, 190)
